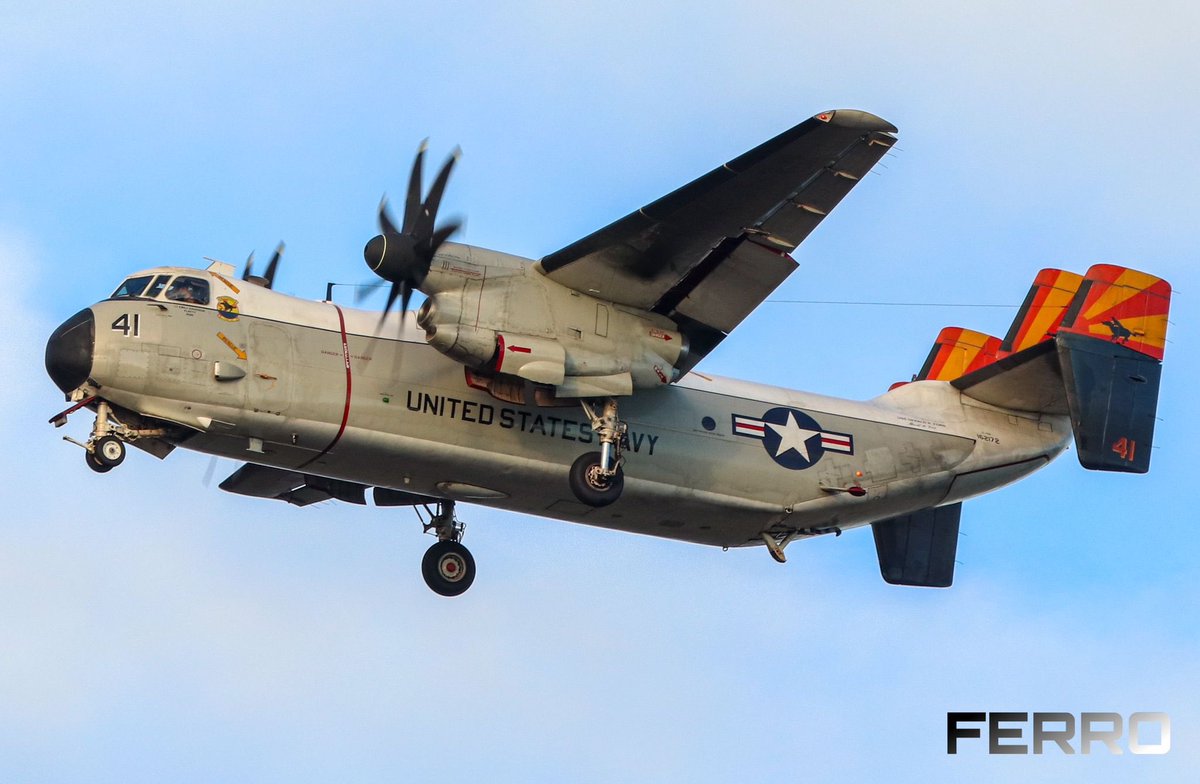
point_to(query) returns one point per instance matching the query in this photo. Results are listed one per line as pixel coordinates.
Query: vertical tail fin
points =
(1043, 311)
(1110, 347)
(956, 352)
(1122, 306)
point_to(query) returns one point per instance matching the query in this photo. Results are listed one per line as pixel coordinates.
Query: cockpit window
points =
(157, 286)
(132, 287)
(193, 291)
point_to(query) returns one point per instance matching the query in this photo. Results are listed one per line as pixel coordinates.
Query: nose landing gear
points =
(105, 448)
(448, 567)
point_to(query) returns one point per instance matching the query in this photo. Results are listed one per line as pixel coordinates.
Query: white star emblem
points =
(792, 437)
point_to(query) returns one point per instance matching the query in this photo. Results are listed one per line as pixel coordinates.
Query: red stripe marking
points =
(346, 408)
(499, 351)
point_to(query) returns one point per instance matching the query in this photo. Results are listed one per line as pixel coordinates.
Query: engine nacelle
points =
(516, 322)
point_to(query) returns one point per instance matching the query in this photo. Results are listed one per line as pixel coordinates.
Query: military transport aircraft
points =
(566, 387)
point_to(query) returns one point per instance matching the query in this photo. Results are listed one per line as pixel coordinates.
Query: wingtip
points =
(856, 118)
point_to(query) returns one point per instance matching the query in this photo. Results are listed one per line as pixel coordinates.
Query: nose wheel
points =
(448, 567)
(104, 454)
(108, 451)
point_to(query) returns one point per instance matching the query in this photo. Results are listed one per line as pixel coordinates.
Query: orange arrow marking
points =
(240, 354)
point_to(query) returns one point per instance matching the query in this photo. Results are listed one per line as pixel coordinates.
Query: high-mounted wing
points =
(707, 254)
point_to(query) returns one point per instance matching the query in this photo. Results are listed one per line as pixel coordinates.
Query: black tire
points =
(589, 486)
(95, 465)
(109, 451)
(448, 568)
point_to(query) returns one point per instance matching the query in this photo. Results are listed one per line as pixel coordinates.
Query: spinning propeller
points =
(267, 279)
(402, 256)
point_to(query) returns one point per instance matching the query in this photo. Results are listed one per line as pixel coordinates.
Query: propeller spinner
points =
(402, 256)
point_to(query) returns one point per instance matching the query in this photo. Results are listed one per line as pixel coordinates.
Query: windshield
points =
(132, 287)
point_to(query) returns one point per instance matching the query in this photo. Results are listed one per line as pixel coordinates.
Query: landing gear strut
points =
(105, 447)
(447, 567)
(597, 478)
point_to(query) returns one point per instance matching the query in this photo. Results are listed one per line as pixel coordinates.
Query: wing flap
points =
(727, 285)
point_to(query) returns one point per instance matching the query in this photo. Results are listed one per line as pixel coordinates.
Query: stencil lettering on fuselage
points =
(529, 422)
(791, 437)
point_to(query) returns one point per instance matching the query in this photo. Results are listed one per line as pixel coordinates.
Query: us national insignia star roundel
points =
(791, 437)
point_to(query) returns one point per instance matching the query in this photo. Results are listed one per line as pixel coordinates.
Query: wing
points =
(708, 253)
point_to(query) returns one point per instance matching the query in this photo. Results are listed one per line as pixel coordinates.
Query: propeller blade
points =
(248, 272)
(365, 290)
(272, 266)
(412, 205)
(392, 294)
(406, 294)
(441, 235)
(385, 220)
(430, 208)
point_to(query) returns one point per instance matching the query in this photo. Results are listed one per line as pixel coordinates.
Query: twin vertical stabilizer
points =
(1088, 346)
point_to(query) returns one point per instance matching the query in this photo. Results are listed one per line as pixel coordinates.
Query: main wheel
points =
(109, 451)
(95, 464)
(590, 485)
(448, 568)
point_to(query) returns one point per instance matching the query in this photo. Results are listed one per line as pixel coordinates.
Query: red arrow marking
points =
(521, 349)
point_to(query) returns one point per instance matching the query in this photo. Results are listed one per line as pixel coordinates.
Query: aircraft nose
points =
(69, 351)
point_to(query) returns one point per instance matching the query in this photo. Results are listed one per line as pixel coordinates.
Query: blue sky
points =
(152, 627)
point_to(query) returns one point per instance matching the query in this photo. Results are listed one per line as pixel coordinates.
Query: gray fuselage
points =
(305, 385)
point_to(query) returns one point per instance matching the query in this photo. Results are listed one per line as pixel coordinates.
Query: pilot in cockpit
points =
(184, 290)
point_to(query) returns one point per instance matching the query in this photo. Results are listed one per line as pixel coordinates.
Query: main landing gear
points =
(447, 567)
(597, 478)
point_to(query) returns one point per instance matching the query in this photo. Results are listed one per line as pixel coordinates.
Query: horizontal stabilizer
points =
(919, 548)
(1029, 380)
(956, 352)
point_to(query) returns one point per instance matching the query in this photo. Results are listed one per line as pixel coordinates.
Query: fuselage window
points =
(193, 291)
(131, 287)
